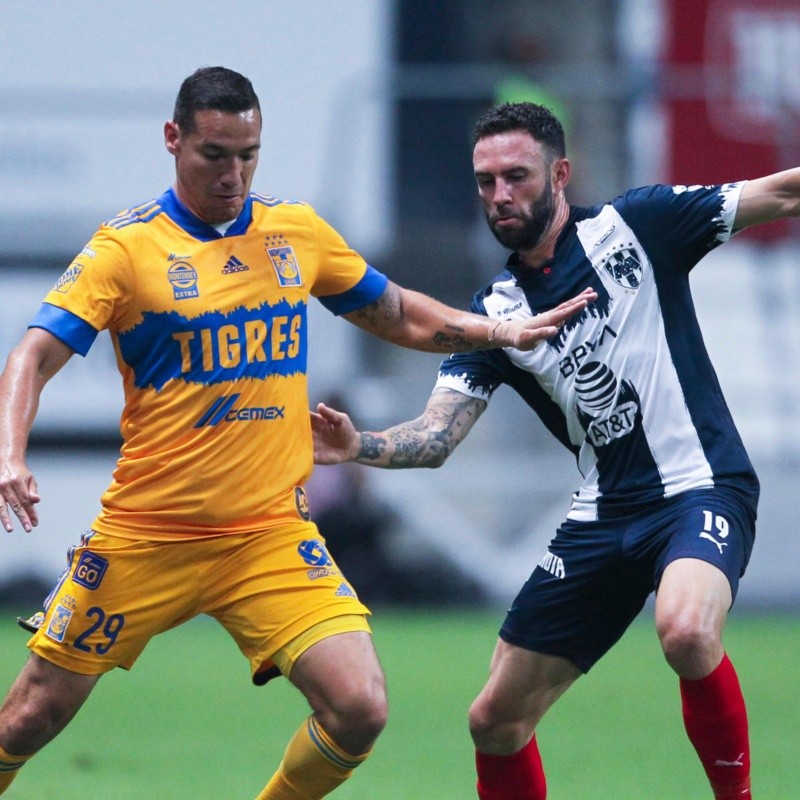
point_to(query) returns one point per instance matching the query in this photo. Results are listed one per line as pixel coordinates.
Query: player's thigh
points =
(341, 672)
(114, 596)
(522, 686)
(280, 595)
(695, 591)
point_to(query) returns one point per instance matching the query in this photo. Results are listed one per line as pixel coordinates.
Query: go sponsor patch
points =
(89, 570)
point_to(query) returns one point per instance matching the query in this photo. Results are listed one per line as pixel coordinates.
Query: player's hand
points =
(335, 438)
(19, 493)
(527, 334)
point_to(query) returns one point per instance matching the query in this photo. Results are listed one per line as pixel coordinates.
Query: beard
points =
(534, 224)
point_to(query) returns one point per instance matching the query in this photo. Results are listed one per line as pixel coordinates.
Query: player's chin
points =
(227, 208)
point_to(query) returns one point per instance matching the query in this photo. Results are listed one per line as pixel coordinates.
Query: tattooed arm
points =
(426, 441)
(419, 322)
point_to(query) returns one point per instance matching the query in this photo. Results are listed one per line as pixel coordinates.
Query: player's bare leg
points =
(39, 705)
(344, 684)
(691, 609)
(522, 686)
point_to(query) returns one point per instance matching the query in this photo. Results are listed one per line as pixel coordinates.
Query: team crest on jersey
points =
(625, 268)
(59, 621)
(183, 277)
(285, 264)
(72, 273)
(301, 500)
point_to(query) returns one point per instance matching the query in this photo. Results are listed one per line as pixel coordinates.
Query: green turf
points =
(186, 723)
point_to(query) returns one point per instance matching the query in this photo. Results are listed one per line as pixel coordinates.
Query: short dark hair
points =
(539, 121)
(216, 88)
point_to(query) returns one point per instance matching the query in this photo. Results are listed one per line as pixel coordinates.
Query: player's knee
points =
(26, 727)
(688, 641)
(370, 714)
(359, 715)
(495, 733)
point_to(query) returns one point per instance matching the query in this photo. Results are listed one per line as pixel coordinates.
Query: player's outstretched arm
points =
(769, 198)
(426, 441)
(32, 363)
(414, 320)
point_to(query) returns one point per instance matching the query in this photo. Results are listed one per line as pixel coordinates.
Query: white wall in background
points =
(85, 88)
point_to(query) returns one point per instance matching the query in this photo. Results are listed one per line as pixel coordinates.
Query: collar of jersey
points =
(194, 226)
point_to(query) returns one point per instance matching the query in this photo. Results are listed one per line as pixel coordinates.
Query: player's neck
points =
(546, 247)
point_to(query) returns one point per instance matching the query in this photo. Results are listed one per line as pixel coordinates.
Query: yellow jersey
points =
(211, 337)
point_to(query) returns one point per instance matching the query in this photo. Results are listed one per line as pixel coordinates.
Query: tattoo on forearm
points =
(428, 440)
(372, 447)
(457, 341)
(387, 311)
(419, 448)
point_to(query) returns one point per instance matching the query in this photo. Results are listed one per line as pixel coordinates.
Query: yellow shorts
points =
(276, 592)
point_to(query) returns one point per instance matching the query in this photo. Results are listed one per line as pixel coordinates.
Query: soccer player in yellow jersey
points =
(204, 291)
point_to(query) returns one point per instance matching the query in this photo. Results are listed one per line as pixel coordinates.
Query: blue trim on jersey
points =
(142, 213)
(366, 291)
(66, 326)
(194, 226)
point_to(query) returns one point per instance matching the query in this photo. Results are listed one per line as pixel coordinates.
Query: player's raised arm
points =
(426, 441)
(32, 363)
(414, 320)
(769, 198)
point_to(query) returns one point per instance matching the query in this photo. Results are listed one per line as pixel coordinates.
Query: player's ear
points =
(560, 172)
(172, 137)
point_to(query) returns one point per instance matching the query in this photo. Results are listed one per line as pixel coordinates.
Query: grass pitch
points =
(186, 723)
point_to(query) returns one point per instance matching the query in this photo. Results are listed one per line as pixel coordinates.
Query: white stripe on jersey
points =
(640, 357)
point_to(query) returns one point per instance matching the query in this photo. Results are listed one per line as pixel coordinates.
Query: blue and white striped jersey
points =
(627, 385)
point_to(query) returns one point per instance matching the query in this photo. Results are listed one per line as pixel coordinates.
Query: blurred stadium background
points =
(368, 107)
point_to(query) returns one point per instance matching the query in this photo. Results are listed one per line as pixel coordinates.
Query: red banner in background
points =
(732, 91)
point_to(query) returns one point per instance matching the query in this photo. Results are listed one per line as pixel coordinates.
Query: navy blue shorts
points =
(596, 576)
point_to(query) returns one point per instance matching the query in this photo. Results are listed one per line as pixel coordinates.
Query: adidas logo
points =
(234, 265)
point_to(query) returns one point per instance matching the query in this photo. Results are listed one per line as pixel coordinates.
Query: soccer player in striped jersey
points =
(204, 291)
(668, 498)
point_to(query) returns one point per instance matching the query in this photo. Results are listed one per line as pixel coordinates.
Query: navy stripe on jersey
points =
(627, 384)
